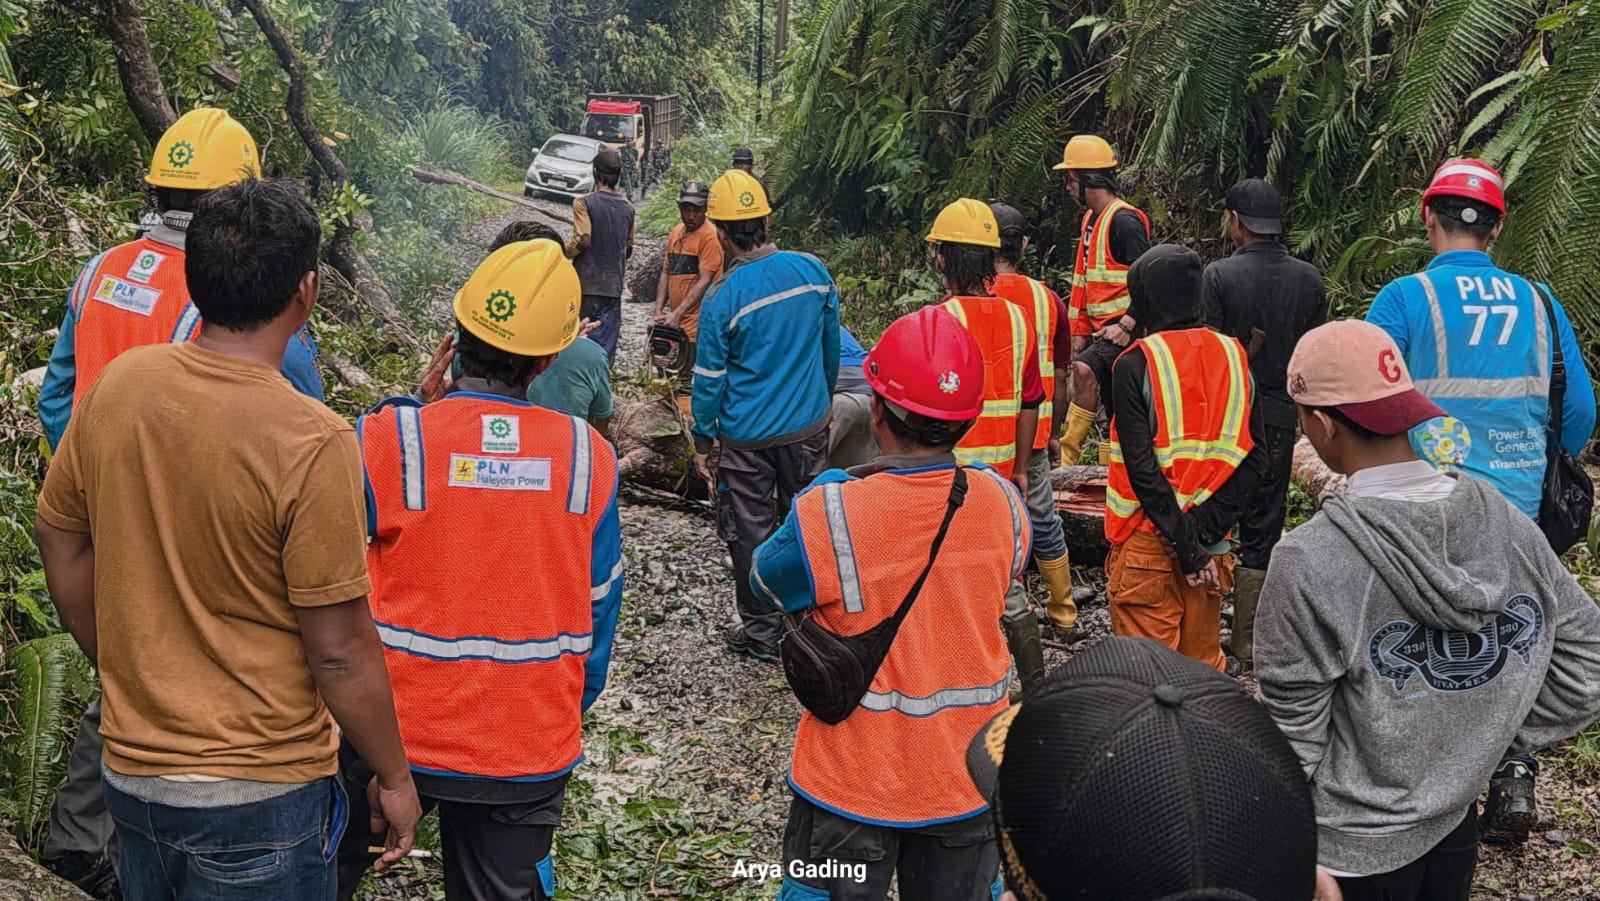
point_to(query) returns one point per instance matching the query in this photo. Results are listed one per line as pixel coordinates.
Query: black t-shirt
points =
(1128, 236)
(1261, 286)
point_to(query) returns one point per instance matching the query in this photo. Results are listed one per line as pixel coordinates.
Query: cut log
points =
(1080, 493)
(654, 447)
(1312, 475)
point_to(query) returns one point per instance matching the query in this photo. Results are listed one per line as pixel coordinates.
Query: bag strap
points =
(958, 496)
(1558, 368)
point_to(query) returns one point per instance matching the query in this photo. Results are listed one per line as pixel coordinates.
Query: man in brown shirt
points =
(202, 530)
(692, 262)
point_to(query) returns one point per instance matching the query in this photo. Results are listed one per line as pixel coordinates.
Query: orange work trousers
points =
(1150, 598)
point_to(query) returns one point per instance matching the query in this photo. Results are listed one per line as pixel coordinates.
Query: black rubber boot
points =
(1509, 814)
(1022, 637)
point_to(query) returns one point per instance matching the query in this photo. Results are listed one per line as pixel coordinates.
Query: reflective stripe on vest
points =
(1045, 324)
(486, 630)
(993, 440)
(1190, 372)
(1099, 282)
(130, 296)
(1442, 386)
(947, 670)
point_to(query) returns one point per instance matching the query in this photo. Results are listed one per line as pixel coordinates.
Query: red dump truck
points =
(649, 121)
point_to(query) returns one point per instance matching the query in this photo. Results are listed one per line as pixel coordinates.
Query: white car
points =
(564, 166)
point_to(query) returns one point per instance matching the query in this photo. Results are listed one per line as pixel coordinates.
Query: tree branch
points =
(119, 21)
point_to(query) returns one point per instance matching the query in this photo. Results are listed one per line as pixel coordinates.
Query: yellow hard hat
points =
(1087, 152)
(523, 299)
(966, 221)
(737, 195)
(205, 150)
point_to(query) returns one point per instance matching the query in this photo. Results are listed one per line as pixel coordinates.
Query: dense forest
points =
(870, 116)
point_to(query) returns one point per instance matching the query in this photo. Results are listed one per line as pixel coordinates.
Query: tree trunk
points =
(23, 880)
(136, 61)
(342, 252)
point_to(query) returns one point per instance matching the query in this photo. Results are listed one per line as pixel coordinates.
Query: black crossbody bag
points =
(830, 673)
(1568, 498)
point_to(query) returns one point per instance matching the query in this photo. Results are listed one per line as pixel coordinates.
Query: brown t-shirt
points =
(688, 252)
(218, 499)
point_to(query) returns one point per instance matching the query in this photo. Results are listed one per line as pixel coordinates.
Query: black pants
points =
(949, 862)
(1099, 357)
(1262, 524)
(492, 852)
(1443, 874)
(754, 489)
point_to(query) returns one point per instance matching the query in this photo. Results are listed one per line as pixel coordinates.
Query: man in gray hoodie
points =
(1409, 633)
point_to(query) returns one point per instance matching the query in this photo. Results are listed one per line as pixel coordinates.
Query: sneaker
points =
(1508, 814)
(740, 642)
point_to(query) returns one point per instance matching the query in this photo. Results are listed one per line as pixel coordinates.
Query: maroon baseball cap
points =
(1356, 368)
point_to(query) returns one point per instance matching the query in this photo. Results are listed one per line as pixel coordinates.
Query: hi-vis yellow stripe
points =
(1126, 507)
(995, 407)
(1047, 361)
(1176, 445)
(994, 455)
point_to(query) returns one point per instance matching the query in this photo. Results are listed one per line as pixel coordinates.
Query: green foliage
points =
(703, 156)
(52, 684)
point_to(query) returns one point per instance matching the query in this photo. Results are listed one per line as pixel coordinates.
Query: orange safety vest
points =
(1033, 298)
(132, 295)
(900, 758)
(1099, 283)
(1201, 393)
(1002, 331)
(483, 523)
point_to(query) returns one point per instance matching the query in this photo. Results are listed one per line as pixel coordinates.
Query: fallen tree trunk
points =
(23, 880)
(1080, 493)
(1312, 475)
(440, 178)
(645, 274)
(654, 447)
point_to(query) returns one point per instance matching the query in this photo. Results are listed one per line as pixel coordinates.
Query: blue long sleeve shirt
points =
(767, 355)
(1477, 342)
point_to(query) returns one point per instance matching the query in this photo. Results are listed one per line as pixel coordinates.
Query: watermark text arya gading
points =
(800, 869)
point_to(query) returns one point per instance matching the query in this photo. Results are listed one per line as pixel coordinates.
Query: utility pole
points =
(780, 43)
(761, 53)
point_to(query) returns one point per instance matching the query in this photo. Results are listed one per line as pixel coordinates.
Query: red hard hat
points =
(1470, 179)
(926, 362)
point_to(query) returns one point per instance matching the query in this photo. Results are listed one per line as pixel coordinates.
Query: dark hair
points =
(1448, 209)
(746, 234)
(524, 230)
(607, 177)
(967, 267)
(1355, 428)
(248, 247)
(1011, 246)
(922, 431)
(177, 200)
(479, 360)
(1100, 178)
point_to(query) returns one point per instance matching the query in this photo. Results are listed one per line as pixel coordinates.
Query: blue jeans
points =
(279, 848)
(608, 312)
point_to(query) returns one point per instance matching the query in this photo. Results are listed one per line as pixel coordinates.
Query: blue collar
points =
(1473, 259)
(479, 395)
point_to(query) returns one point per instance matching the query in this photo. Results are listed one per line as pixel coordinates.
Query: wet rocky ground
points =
(688, 746)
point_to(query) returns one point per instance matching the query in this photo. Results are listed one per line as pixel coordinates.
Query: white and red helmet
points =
(1469, 179)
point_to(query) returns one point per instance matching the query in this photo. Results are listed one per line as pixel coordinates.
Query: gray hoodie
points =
(1402, 647)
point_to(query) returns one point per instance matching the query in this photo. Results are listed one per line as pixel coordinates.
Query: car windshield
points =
(608, 127)
(566, 150)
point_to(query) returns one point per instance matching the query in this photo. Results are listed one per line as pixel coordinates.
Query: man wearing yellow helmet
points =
(765, 367)
(1113, 234)
(134, 294)
(131, 295)
(495, 645)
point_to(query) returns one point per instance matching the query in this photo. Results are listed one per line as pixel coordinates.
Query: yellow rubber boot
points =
(1074, 433)
(1062, 609)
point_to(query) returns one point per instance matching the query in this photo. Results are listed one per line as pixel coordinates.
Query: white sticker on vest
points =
(502, 434)
(124, 296)
(518, 474)
(145, 266)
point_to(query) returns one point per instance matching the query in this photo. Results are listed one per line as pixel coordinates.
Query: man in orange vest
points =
(882, 793)
(1114, 233)
(134, 294)
(496, 644)
(965, 237)
(1187, 456)
(1047, 315)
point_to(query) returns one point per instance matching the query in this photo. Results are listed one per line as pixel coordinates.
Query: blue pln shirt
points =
(1478, 343)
